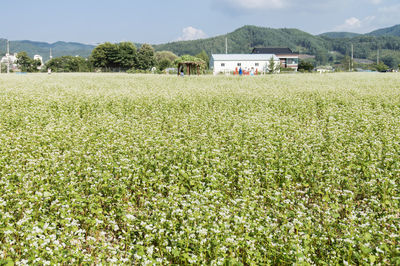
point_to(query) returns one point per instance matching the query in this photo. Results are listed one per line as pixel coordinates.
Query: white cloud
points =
(190, 33)
(356, 25)
(376, 2)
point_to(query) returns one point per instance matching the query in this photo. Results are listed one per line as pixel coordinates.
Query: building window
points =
(292, 61)
(222, 64)
(239, 64)
(257, 64)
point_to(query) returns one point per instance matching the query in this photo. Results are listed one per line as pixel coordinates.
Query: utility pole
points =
(377, 57)
(8, 57)
(226, 45)
(352, 57)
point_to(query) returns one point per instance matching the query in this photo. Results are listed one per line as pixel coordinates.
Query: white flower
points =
(130, 217)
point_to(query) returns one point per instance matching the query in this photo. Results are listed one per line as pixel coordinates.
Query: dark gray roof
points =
(243, 57)
(272, 50)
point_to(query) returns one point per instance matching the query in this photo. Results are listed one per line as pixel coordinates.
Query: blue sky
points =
(159, 21)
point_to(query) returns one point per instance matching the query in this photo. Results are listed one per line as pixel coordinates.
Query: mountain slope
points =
(244, 39)
(391, 31)
(43, 48)
(340, 34)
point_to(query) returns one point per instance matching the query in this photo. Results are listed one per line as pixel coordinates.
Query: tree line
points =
(108, 57)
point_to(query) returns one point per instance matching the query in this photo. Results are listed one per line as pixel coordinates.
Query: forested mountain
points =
(244, 39)
(329, 48)
(43, 48)
(391, 31)
(340, 34)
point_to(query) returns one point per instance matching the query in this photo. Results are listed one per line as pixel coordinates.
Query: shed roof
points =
(243, 57)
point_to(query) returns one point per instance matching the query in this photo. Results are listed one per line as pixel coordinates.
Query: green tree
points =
(163, 64)
(272, 65)
(145, 57)
(126, 57)
(390, 61)
(321, 56)
(381, 67)
(305, 66)
(114, 57)
(346, 63)
(26, 63)
(164, 59)
(105, 56)
(69, 64)
(161, 55)
(203, 55)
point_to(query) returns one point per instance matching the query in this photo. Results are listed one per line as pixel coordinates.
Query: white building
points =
(231, 63)
(11, 59)
(38, 57)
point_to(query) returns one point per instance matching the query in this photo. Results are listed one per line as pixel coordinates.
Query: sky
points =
(161, 21)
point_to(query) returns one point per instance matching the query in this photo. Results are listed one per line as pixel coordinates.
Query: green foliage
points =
(114, 57)
(126, 58)
(69, 64)
(243, 40)
(163, 64)
(3, 68)
(390, 61)
(321, 57)
(142, 170)
(145, 57)
(41, 48)
(165, 55)
(203, 55)
(272, 66)
(340, 34)
(381, 67)
(190, 59)
(27, 64)
(164, 59)
(305, 66)
(287, 69)
(345, 63)
(105, 55)
(390, 31)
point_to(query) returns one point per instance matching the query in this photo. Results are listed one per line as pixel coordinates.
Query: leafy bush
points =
(305, 66)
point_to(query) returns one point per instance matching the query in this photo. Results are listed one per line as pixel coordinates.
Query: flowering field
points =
(131, 169)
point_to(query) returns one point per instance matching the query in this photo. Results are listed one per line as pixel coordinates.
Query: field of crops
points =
(143, 169)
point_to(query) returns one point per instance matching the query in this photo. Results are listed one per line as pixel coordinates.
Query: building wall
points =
(285, 58)
(231, 66)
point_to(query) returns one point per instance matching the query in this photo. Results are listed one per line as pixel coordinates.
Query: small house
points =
(287, 57)
(248, 63)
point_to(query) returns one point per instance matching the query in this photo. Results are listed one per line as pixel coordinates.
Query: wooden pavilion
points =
(193, 64)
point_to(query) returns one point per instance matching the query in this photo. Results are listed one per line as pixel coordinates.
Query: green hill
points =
(391, 31)
(329, 48)
(43, 48)
(244, 39)
(339, 34)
